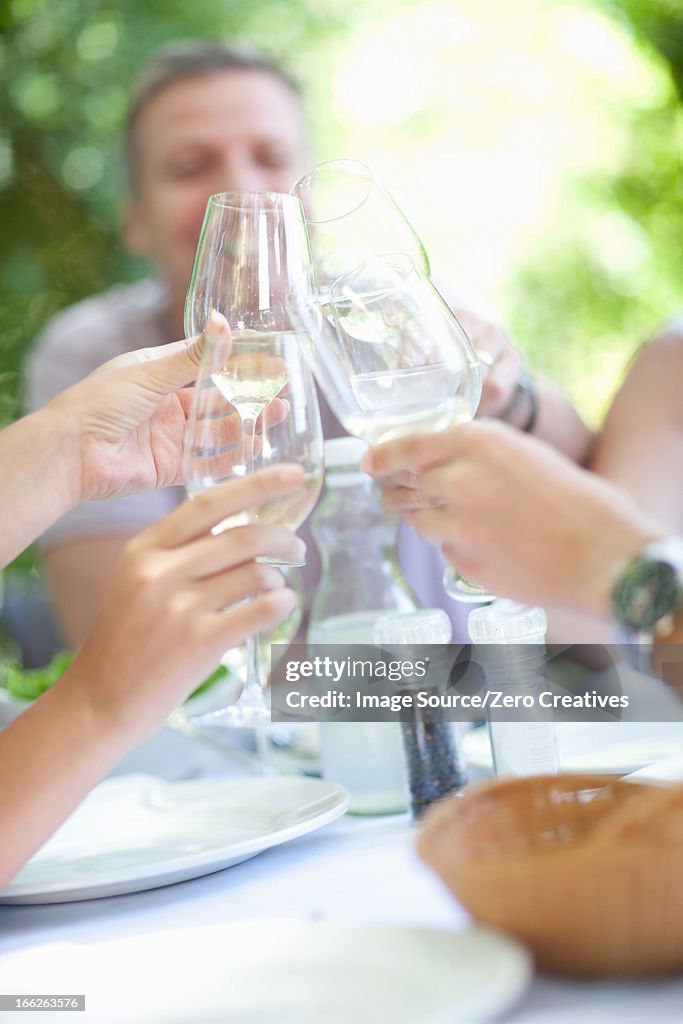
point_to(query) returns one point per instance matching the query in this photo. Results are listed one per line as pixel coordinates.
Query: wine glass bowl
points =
(372, 359)
(253, 252)
(352, 218)
(254, 403)
(389, 354)
(236, 378)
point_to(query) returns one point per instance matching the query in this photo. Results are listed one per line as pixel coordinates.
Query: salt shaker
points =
(513, 639)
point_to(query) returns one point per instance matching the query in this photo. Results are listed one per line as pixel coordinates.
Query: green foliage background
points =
(578, 309)
(66, 66)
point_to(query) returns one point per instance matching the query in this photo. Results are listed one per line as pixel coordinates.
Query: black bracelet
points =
(524, 392)
(528, 384)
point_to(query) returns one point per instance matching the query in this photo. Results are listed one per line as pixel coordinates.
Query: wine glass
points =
(393, 360)
(255, 402)
(391, 356)
(351, 218)
(196, 718)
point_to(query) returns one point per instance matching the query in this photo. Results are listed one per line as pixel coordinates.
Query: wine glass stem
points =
(249, 438)
(253, 689)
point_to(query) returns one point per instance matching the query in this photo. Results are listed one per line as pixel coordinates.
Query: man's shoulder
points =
(102, 326)
(81, 337)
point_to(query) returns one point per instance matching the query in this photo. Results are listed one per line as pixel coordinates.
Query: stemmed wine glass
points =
(351, 218)
(255, 402)
(390, 356)
(352, 221)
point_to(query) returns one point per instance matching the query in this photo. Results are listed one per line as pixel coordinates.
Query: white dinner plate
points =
(669, 770)
(614, 748)
(167, 753)
(136, 832)
(281, 972)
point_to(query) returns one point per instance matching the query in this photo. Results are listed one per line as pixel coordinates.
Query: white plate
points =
(614, 748)
(669, 770)
(136, 832)
(166, 753)
(281, 972)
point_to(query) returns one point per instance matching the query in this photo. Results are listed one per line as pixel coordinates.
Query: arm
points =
(514, 515)
(556, 421)
(640, 448)
(163, 627)
(40, 480)
(559, 424)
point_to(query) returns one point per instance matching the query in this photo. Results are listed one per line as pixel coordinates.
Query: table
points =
(357, 870)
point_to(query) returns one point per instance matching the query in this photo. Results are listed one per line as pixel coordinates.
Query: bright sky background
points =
(478, 124)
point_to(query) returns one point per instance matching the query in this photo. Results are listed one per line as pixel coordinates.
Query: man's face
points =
(232, 131)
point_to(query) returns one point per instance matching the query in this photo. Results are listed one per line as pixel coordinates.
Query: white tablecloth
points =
(353, 871)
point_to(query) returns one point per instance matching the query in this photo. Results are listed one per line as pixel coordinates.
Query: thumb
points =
(166, 368)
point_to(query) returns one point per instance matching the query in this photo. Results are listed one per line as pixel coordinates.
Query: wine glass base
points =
(236, 716)
(461, 589)
(265, 560)
(465, 597)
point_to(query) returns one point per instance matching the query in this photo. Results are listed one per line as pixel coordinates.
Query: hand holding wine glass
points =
(377, 311)
(253, 260)
(390, 355)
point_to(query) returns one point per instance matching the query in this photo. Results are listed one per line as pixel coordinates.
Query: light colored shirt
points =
(126, 317)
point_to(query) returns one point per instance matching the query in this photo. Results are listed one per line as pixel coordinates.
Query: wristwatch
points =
(647, 598)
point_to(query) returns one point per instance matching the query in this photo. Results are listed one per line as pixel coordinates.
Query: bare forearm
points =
(39, 473)
(640, 448)
(48, 769)
(559, 424)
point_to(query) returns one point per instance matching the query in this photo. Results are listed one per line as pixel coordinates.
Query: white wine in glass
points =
(253, 373)
(389, 354)
(255, 403)
(393, 360)
(352, 220)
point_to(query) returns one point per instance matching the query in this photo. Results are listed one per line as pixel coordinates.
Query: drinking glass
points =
(255, 403)
(351, 220)
(389, 354)
(197, 717)
(393, 360)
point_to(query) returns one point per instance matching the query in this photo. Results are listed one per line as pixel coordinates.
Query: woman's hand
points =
(164, 624)
(124, 424)
(179, 599)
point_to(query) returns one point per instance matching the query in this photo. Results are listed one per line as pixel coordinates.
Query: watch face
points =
(647, 592)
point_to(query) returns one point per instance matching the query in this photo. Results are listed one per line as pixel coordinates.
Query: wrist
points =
(119, 714)
(522, 411)
(59, 437)
(618, 551)
(91, 743)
